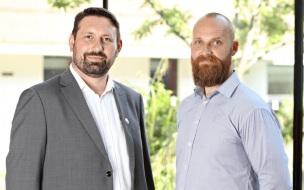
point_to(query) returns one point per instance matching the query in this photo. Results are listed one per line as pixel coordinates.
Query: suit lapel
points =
(74, 96)
(123, 109)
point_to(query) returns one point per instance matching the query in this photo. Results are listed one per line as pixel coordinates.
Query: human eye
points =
(107, 39)
(198, 42)
(216, 42)
(88, 36)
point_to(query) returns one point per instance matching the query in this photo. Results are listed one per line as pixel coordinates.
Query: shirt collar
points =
(227, 88)
(110, 84)
(199, 91)
(82, 84)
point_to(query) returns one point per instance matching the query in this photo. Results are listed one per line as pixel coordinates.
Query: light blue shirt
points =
(231, 140)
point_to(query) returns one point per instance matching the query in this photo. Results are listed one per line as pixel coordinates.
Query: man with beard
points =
(228, 136)
(81, 130)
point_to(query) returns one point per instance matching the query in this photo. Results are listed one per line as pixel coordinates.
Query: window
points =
(55, 66)
(170, 78)
(280, 79)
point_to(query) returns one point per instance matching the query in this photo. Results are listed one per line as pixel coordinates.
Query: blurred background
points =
(155, 59)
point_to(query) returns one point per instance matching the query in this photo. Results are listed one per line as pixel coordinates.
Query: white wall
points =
(131, 70)
(27, 71)
(256, 79)
(185, 83)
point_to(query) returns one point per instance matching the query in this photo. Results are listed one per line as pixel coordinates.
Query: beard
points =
(213, 73)
(93, 69)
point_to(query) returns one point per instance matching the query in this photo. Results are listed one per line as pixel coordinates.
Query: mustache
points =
(94, 53)
(209, 57)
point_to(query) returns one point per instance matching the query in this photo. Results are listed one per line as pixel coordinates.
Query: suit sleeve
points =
(145, 145)
(24, 162)
(263, 143)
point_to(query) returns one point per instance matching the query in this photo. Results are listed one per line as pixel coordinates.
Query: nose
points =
(205, 50)
(98, 46)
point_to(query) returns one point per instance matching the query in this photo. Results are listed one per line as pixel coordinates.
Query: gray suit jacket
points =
(55, 143)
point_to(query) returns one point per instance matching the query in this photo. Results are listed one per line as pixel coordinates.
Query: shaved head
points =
(224, 20)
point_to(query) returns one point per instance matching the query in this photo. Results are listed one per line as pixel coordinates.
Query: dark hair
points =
(95, 11)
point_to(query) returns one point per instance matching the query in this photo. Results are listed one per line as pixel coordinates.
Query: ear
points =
(235, 47)
(119, 46)
(71, 42)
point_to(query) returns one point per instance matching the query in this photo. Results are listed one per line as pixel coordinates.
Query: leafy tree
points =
(253, 21)
(285, 116)
(161, 129)
(67, 3)
(177, 21)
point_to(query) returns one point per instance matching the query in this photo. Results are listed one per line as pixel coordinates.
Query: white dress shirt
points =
(105, 113)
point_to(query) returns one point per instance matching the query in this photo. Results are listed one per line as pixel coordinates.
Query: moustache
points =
(99, 53)
(209, 58)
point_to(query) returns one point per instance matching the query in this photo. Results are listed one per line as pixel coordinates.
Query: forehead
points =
(212, 27)
(97, 22)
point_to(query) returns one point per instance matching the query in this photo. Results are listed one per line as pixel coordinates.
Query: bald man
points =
(228, 136)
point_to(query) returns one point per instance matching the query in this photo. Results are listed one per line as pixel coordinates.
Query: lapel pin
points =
(127, 121)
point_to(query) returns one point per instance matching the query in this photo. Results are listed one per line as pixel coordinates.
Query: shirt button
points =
(109, 174)
(205, 102)
(185, 166)
(196, 122)
(189, 144)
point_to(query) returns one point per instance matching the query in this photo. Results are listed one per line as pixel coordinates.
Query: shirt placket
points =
(108, 133)
(188, 152)
(110, 143)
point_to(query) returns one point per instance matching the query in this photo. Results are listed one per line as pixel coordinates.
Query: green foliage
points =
(285, 116)
(67, 3)
(161, 129)
(177, 21)
(270, 17)
(146, 29)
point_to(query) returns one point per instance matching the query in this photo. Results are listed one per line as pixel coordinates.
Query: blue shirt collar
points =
(227, 88)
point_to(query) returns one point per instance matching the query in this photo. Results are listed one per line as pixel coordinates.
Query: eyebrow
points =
(212, 39)
(85, 33)
(217, 38)
(89, 33)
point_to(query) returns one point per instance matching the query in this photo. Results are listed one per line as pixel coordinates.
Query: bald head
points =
(219, 19)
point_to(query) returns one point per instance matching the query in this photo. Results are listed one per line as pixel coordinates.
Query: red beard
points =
(216, 72)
